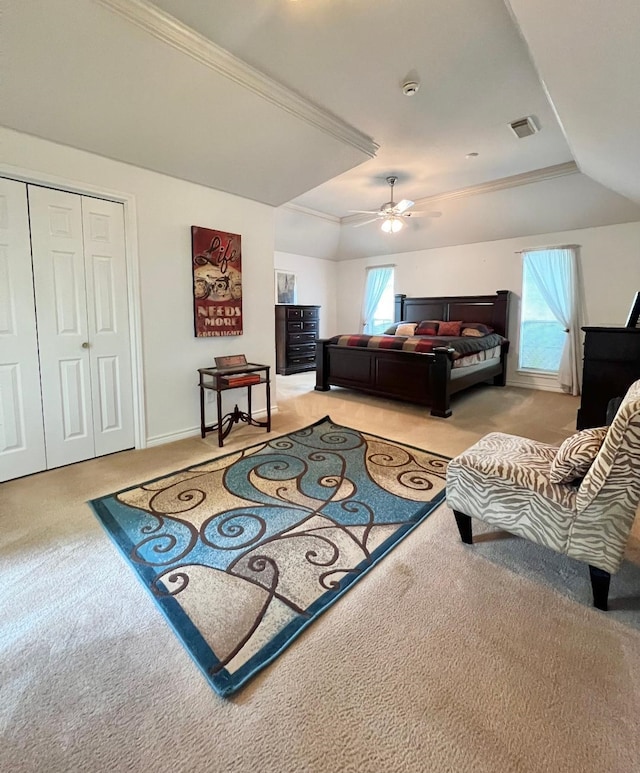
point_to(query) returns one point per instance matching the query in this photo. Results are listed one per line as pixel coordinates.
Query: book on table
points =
(241, 379)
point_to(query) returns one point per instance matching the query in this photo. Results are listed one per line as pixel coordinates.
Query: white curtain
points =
(377, 279)
(555, 272)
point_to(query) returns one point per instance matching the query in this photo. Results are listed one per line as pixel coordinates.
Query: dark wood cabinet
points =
(296, 336)
(611, 365)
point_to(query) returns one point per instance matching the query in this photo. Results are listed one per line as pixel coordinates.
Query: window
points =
(378, 307)
(550, 315)
(542, 337)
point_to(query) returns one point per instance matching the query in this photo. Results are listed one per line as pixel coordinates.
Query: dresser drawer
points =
(311, 327)
(309, 313)
(302, 360)
(298, 350)
(299, 338)
(293, 326)
(295, 313)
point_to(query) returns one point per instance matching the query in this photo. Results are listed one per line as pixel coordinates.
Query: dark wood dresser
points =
(296, 336)
(611, 365)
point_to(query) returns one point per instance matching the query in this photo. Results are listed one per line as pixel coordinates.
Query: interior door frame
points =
(133, 273)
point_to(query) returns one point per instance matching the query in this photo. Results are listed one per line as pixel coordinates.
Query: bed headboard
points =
(491, 310)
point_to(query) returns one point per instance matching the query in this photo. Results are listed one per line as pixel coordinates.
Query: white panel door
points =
(61, 311)
(108, 325)
(22, 449)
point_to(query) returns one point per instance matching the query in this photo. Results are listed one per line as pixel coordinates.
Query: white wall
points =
(316, 285)
(166, 210)
(301, 232)
(609, 263)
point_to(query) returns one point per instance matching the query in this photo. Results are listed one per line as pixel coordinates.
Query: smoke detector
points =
(524, 127)
(409, 88)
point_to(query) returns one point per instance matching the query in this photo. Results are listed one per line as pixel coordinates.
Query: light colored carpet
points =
(444, 659)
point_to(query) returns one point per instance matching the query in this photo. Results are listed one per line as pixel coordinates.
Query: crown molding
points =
(173, 32)
(298, 209)
(501, 184)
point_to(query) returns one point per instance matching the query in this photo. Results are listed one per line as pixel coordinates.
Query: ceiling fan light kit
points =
(391, 225)
(391, 214)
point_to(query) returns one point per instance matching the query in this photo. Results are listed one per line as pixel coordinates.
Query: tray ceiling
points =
(277, 100)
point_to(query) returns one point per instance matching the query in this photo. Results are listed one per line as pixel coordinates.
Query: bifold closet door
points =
(21, 430)
(81, 309)
(108, 325)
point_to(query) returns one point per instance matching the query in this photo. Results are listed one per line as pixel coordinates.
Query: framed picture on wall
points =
(285, 287)
(216, 259)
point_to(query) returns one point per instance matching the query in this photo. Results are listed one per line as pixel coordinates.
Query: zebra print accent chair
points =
(504, 480)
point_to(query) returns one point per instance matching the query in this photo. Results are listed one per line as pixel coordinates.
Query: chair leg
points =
(464, 527)
(600, 586)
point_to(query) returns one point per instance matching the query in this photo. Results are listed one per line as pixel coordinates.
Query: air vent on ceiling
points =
(524, 127)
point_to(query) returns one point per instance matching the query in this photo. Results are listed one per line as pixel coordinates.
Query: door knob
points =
(85, 345)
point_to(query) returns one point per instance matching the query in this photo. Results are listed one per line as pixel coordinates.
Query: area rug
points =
(243, 552)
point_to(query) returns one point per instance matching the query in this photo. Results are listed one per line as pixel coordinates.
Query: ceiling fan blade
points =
(364, 211)
(365, 222)
(401, 206)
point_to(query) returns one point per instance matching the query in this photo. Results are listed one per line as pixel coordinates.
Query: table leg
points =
(268, 385)
(202, 430)
(249, 402)
(219, 405)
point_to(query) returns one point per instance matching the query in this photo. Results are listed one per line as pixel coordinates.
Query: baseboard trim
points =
(171, 437)
(543, 386)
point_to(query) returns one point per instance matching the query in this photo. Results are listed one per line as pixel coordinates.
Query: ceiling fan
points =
(390, 213)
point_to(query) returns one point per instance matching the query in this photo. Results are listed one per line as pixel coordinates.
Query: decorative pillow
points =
(391, 330)
(428, 327)
(406, 328)
(576, 455)
(475, 329)
(449, 328)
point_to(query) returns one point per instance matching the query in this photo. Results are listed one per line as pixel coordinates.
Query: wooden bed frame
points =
(422, 378)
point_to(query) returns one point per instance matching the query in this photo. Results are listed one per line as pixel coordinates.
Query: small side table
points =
(213, 378)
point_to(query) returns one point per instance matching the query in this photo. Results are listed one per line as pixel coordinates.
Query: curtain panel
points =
(555, 273)
(377, 279)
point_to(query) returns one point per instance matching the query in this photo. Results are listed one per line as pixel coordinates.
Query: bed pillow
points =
(449, 328)
(428, 327)
(475, 329)
(391, 330)
(406, 328)
(576, 455)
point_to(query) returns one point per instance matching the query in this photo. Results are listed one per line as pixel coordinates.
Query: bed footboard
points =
(422, 378)
(322, 366)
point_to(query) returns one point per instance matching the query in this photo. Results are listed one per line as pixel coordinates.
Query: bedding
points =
(462, 345)
(477, 358)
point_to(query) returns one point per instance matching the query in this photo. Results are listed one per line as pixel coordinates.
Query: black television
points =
(634, 313)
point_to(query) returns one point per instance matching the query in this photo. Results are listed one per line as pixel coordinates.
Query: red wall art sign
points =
(217, 282)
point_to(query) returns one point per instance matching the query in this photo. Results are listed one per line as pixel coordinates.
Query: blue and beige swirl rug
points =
(243, 552)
